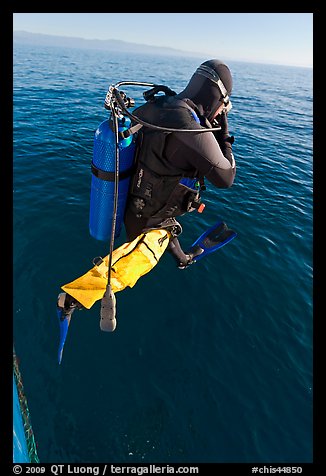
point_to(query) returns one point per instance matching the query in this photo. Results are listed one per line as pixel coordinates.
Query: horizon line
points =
(196, 53)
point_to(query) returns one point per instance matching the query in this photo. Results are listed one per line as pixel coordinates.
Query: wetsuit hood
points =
(204, 88)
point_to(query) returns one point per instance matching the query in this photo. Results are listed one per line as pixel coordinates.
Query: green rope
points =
(29, 435)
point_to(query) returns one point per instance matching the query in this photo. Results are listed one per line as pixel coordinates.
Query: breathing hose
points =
(116, 93)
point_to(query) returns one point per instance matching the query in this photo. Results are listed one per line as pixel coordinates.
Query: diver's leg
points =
(183, 259)
(176, 251)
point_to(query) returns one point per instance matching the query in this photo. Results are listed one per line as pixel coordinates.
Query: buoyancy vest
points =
(155, 189)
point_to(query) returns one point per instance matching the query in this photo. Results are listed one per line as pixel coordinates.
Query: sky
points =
(277, 38)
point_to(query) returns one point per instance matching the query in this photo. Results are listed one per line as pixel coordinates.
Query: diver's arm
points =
(222, 176)
(222, 136)
(202, 152)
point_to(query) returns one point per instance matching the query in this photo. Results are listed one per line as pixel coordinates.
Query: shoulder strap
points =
(203, 121)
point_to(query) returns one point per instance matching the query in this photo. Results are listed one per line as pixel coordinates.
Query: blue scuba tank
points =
(103, 173)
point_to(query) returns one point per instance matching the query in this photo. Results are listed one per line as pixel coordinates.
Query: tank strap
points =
(110, 176)
(128, 132)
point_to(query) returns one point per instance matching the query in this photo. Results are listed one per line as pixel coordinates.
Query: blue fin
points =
(212, 239)
(64, 322)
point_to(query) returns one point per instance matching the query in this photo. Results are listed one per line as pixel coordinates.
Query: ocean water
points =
(209, 364)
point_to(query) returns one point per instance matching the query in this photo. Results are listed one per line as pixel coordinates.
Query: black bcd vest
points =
(155, 189)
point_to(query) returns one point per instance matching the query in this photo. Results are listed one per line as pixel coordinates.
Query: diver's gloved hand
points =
(223, 137)
(222, 121)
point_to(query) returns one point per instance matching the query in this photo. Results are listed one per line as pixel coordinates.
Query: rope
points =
(29, 435)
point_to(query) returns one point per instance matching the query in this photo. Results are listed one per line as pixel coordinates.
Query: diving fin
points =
(211, 240)
(64, 322)
(66, 305)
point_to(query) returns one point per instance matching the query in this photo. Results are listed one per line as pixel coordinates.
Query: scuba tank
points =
(103, 176)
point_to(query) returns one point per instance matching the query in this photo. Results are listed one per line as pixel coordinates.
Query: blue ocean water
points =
(209, 364)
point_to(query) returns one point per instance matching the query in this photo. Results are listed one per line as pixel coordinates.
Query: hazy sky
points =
(282, 38)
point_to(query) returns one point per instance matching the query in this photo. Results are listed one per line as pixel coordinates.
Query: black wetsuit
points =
(165, 158)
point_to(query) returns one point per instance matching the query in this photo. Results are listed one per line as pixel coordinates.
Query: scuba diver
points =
(156, 194)
(171, 168)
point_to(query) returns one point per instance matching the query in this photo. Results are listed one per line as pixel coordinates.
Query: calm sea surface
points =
(209, 364)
